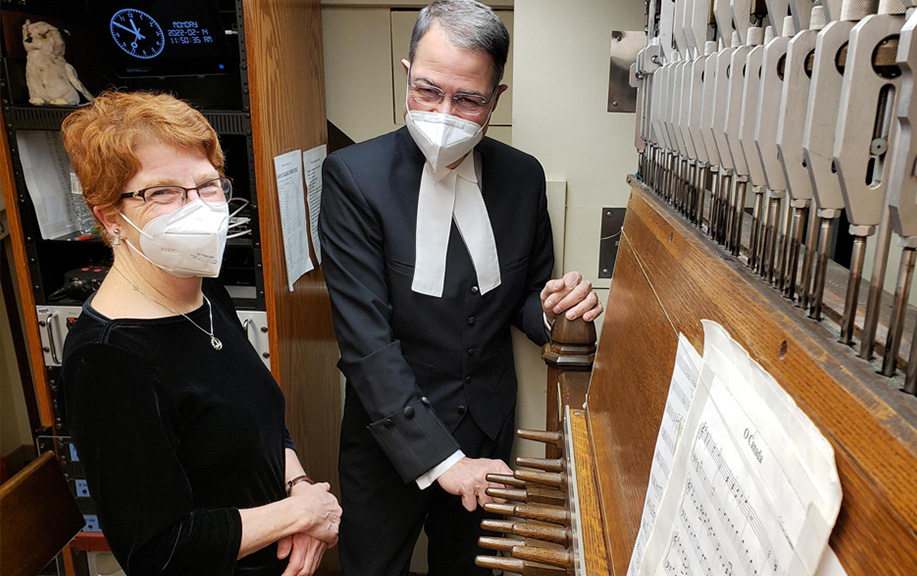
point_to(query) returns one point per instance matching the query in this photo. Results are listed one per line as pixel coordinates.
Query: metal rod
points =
(722, 216)
(783, 244)
(805, 295)
(673, 177)
(682, 185)
(800, 214)
(853, 289)
(755, 224)
(876, 285)
(701, 194)
(896, 325)
(773, 211)
(714, 192)
(818, 284)
(691, 184)
(714, 221)
(910, 379)
(760, 258)
(730, 211)
(741, 192)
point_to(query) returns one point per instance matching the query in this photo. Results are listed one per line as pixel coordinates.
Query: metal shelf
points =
(50, 118)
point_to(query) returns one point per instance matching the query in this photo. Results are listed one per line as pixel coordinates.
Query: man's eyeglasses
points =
(464, 104)
(216, 190)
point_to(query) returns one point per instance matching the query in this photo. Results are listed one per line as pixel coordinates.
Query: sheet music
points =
(313, 160)
(753, 490)
(46, 170)
(288, 171)
(681, 392)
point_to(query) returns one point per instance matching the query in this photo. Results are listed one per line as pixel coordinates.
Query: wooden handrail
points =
(569, 355)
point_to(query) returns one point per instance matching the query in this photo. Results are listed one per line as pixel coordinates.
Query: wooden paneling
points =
(589, 513)
(284, 55)
(668, 277)
(630, 382)
(39, 374)
(38, 516)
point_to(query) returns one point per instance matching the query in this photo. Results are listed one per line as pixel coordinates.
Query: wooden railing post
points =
(569, 356)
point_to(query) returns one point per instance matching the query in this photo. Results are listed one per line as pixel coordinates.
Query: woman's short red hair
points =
(101, 139)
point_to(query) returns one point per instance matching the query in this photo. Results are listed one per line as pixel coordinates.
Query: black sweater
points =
(175, 437)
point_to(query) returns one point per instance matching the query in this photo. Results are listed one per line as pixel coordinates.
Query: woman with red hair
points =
(179, 425)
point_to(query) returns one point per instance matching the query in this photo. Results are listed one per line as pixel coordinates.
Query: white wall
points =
(560, 116)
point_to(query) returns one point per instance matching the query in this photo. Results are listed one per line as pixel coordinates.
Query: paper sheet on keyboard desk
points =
(681, 391)
(753, 489)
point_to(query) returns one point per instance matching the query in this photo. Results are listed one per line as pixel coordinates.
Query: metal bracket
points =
(612, 225)
(625, 45)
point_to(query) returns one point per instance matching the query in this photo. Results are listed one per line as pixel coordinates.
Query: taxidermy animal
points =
(49, 78)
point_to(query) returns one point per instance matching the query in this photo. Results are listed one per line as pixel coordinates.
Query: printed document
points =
(288, 172)
(46, 170)
(753, 489)
(312, 160)
(681, 392)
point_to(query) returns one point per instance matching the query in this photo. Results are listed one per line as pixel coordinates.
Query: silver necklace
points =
(214, 341)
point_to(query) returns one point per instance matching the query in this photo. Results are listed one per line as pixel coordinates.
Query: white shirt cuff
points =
(427, 480)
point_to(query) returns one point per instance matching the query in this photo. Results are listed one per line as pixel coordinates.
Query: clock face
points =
(137, 33)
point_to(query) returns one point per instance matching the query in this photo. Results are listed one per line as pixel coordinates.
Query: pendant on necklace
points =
(215, 342)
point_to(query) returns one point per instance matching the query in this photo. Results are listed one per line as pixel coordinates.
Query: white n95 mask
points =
(188, 242)
(442, 138)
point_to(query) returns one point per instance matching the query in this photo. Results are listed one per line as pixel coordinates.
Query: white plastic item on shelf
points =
(103, 564)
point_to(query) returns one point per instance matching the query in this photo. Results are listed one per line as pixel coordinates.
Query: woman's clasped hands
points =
(319, 515)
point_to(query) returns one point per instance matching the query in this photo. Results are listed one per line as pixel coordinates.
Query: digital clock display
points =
(189, 33)
(165, 37)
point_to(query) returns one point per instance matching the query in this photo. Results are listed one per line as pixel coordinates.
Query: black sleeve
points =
(408, 430)
(123, 428)
(530, 316)
(288, 440)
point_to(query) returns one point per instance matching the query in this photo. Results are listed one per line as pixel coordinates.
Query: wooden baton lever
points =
(555, 479)
(517, 566)
(513, 494)
(506, 480)
(555, 438)
(536, 530)
(530, 495)
(549, 556)
(552, 514)
(499, 526)
(499, 544)
(546, 464)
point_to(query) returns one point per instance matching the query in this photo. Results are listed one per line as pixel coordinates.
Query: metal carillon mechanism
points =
(750, 93)
(902, 200)
(828, 66)
(695, 106)
(725, 200)
(807, 100)
(746, 169)
(790, 127)
(770, 92)
(868, 96)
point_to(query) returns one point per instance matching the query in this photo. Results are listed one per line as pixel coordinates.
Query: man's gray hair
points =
(468, 24)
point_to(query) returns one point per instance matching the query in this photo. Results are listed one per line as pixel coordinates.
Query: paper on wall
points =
(289, 174)
(312, 160)
(754, 490)
(681, 392)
